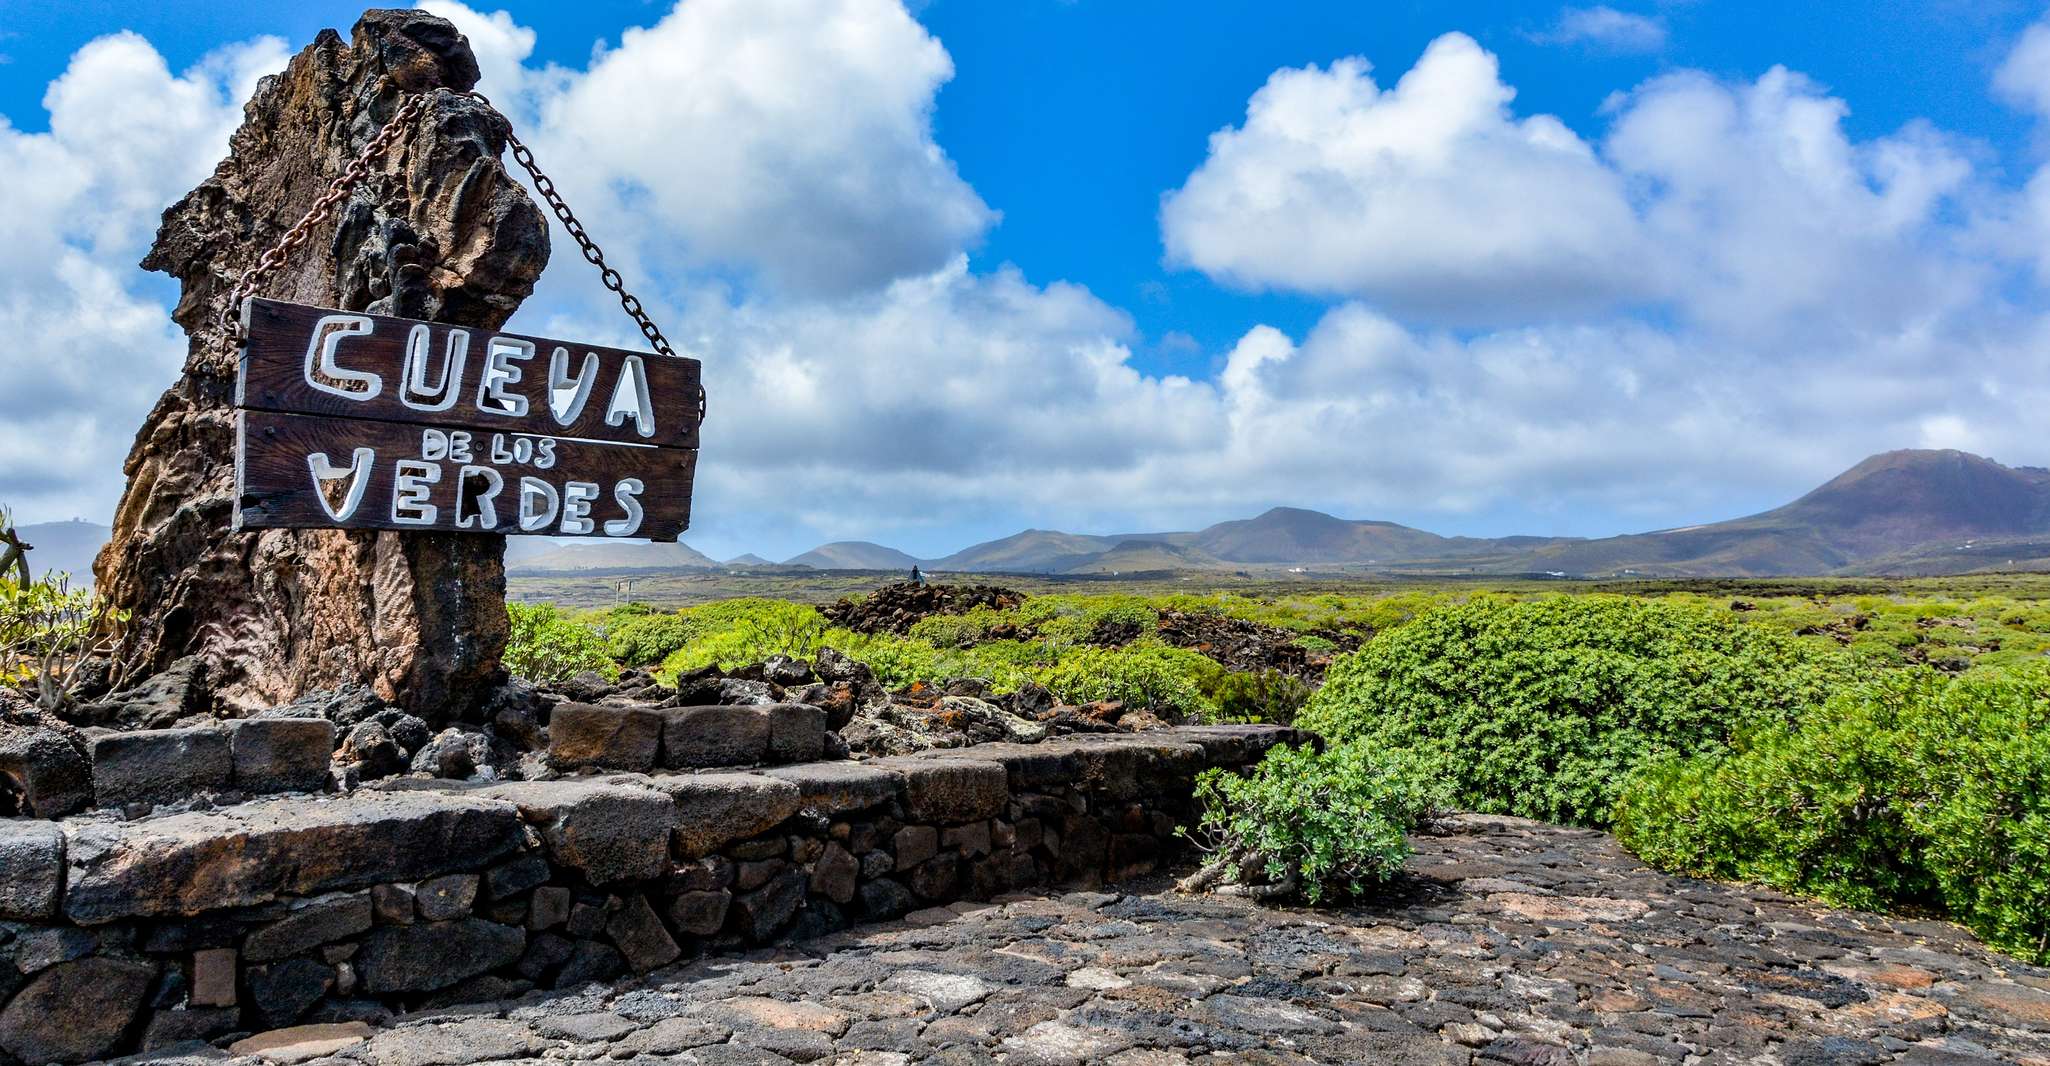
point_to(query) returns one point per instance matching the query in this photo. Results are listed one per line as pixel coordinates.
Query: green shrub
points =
(734, 633)
(1539, 708)
(1256, 696)
(1156, 677)
(641, 639)
(547, 646)
(48, 630)
(1325, 826)
(1911, 789)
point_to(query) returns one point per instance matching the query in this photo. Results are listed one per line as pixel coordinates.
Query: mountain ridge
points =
(1908, 511)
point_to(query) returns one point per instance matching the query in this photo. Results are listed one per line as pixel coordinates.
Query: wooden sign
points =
(312, 361)
(355, 421)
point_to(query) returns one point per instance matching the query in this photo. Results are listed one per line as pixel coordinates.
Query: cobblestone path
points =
(1513, 942)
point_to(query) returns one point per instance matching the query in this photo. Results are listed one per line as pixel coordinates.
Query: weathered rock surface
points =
(45, 768)
(31, 869)
(607, 831)
(160, 765)
(714, 809)
(75, 1011)
(439, 231)
(256, 852)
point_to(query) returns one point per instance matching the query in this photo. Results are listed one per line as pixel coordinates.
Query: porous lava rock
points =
(896, 608)
(437, 231)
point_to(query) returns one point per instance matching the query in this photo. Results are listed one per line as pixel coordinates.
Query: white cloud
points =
(1745, 205)
(2024, 77)
(773, 136)
(87, 350)
(1430, 197)
(1607, 28)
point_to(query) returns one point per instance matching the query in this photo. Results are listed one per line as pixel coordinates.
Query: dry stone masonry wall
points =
(118, 935)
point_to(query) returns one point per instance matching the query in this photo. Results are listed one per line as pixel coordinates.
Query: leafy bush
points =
(641, 639)
(1156, 677)
(48, 630)
(1539, 708)
(547, 646)
(737, 632)
(1321, 825)
(1910, 789)
(1257, 696)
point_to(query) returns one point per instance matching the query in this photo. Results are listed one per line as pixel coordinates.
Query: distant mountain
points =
(1142, 556)
(531, 556)
(1897, 512)
(750, 559)
(853, 555)
(66, 546)
(1293, 536)
(1035, 551)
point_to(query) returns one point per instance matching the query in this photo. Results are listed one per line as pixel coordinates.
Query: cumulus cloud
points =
(2024, 77)
(1430, 196)
(89, 346)
(1745, 204)
(1607, 28)
(782, 137)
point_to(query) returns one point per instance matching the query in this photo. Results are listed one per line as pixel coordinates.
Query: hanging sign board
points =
(357, 421)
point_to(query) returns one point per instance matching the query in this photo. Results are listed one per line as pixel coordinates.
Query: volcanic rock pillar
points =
(438, 231)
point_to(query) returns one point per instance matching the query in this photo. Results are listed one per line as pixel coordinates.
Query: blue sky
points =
(1619, 332)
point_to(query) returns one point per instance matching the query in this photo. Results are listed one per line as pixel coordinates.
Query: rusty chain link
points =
(403, 119)
(592, 253)
(337, 191)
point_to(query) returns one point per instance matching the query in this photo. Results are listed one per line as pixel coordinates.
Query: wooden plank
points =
(315, 361)
(303, 472)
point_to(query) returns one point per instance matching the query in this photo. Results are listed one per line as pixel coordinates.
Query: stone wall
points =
(122, 935)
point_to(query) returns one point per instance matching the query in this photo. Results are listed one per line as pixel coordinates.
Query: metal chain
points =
(409, 113)
(338, 190)
(594, 254)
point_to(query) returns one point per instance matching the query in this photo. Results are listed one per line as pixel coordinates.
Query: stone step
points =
(188, 864)
(641, 739)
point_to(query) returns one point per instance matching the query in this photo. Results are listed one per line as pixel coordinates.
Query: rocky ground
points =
(1510, 942)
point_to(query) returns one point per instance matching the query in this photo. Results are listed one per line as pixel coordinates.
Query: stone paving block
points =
(255, 852)
(310, 924)
(428, 956)
(949, 791)
(160, 765)
(797, 733)
(607, 829)
(840, 787)
(31, 868)
(710, 737)
(281, 754)
(717, 809)
(448, 896)
(582, 735)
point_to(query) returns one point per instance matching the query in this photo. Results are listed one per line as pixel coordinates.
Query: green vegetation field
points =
(1881, 744)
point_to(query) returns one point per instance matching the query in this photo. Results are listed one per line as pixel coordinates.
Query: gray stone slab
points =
(32, 858)
(837, 787)
(255, 852)
(282, 754)
(716, 809)
(159, 765)
(607, 829)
